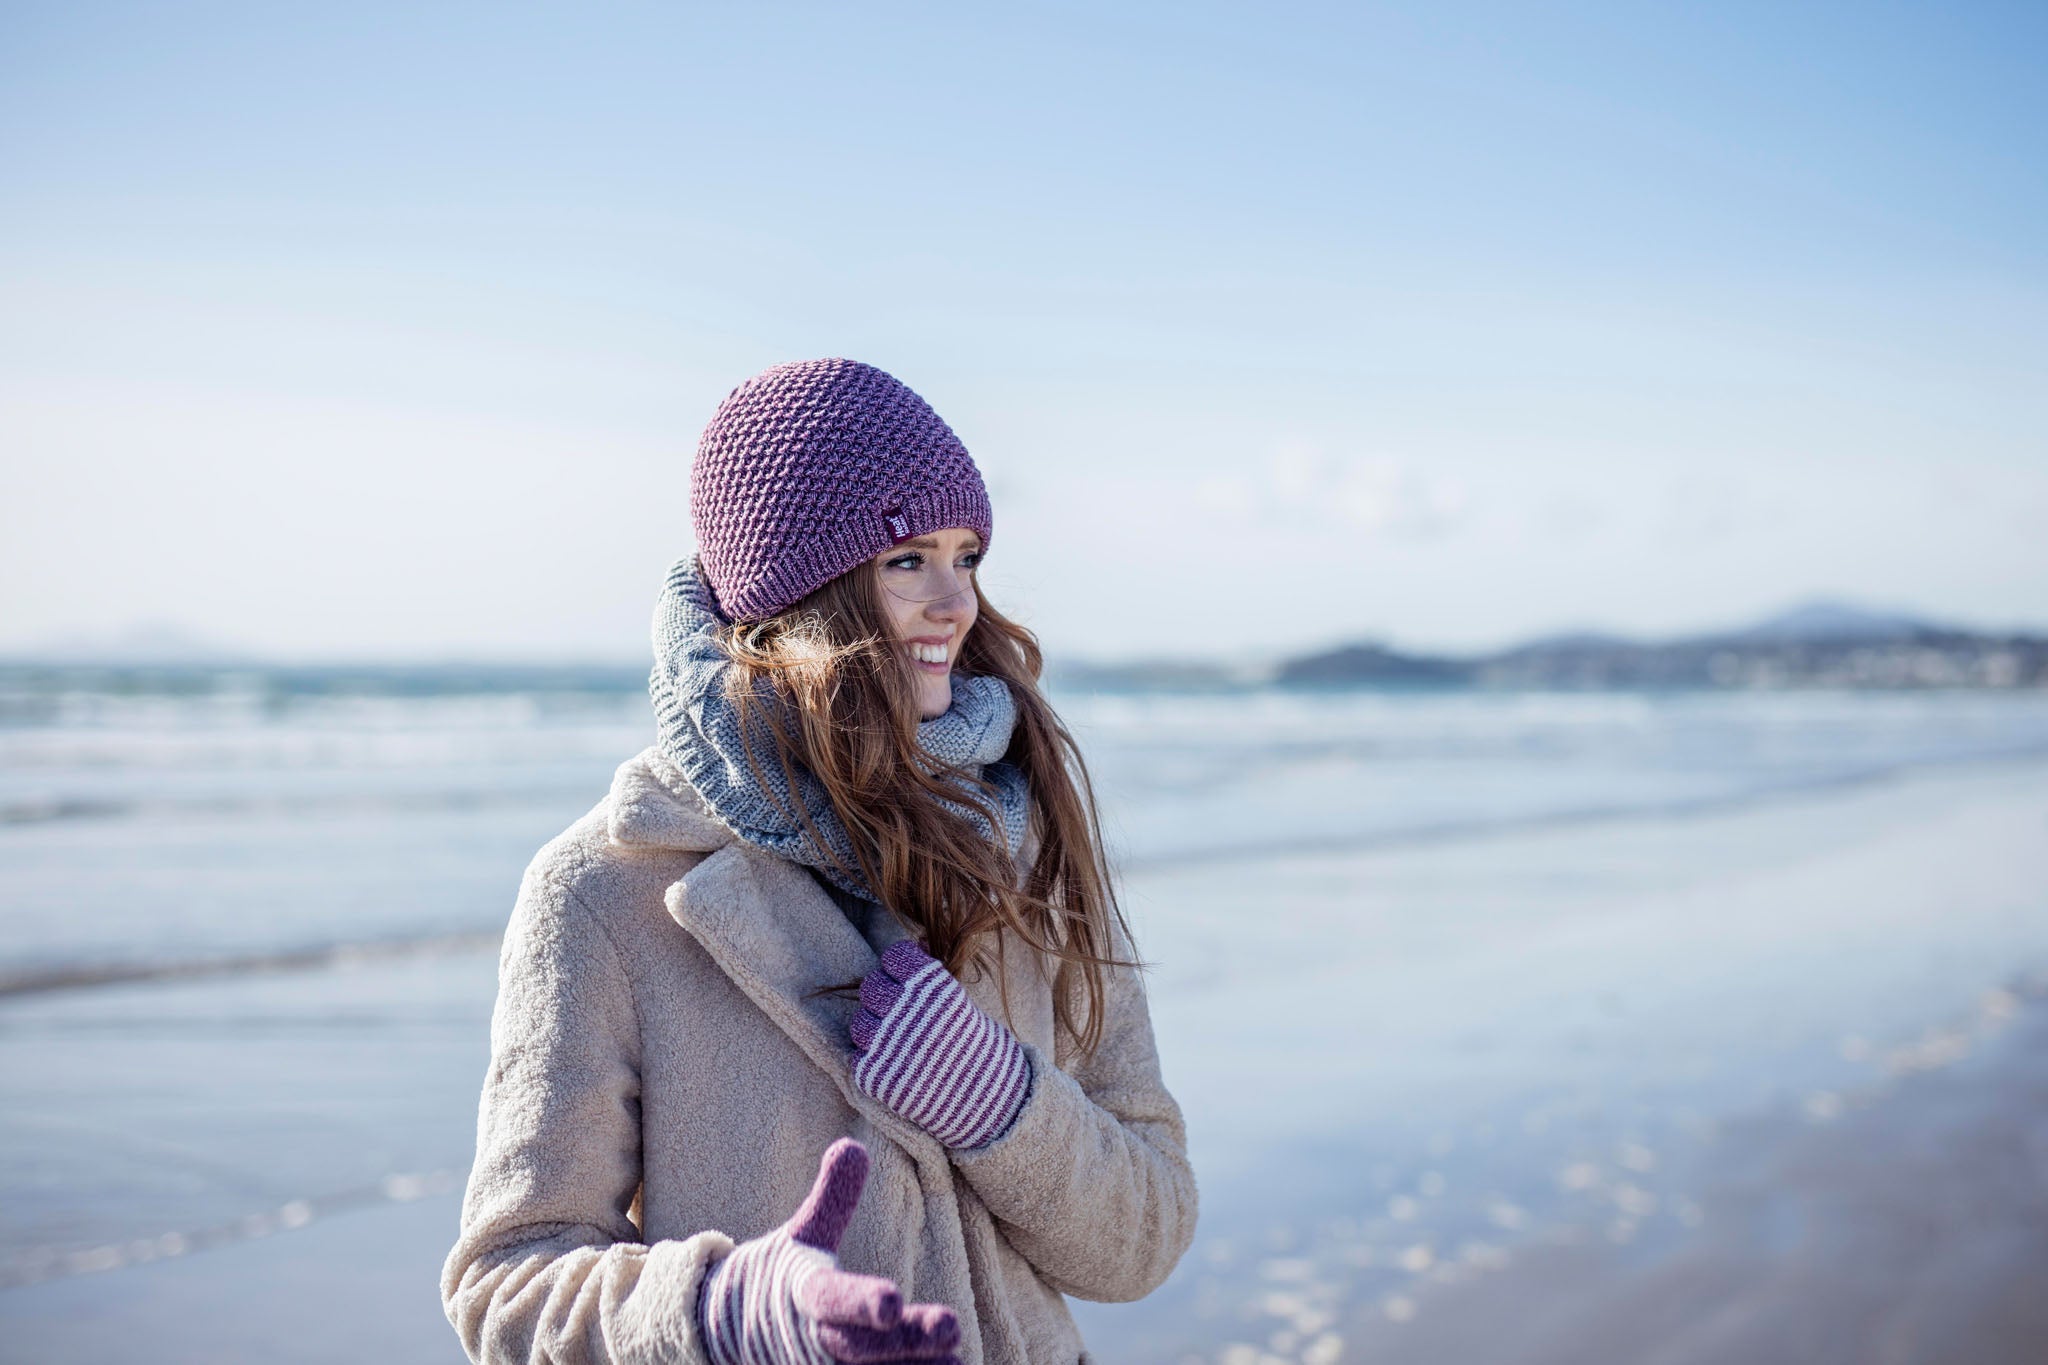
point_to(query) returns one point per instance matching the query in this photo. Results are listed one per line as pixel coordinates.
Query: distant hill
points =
(1351, 664)
(1821, 643)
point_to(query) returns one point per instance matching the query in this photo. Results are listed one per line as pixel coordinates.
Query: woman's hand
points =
(781, 1299)
(931, 1055)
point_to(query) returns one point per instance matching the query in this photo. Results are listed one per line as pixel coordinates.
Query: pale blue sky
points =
(368, 331)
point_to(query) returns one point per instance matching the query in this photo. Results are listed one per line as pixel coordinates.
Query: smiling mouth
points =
(931, 658)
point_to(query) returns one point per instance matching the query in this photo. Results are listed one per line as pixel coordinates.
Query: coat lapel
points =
(778, 936)
(775, 932)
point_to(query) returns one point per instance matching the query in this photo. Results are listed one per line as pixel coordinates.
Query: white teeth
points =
(930, 654)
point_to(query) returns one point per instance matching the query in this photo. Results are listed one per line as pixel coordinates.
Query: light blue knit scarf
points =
(699, 731)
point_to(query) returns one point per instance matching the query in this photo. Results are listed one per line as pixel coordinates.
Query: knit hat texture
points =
(809, 469)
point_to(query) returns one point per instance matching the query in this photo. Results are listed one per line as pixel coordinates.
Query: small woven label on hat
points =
(898, 524)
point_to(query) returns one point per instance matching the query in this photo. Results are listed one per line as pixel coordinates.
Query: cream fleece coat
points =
(660, 1087)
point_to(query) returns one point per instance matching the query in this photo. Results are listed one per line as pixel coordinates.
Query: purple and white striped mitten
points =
(931, 1055)
(781, 1298)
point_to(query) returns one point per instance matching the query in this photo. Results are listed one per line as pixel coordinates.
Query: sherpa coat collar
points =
(779, 960)
(663, 1081)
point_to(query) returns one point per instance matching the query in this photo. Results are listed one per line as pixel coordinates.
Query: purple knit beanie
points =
(812, 468)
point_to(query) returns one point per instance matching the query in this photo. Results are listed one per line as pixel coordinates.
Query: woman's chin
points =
(934, 699)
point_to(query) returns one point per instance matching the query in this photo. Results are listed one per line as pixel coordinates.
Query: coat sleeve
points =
(1092, 1184)
(548, 1265)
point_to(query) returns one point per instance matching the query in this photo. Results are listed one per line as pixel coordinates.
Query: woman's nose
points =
(953, 605)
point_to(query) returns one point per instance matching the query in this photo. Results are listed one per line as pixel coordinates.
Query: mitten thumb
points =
(820, 1221)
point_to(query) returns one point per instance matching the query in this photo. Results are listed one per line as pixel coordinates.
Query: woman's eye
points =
(971, 560)
(909, 561)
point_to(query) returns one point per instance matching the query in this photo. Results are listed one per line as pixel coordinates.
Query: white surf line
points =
(79, 976)
(39, 1264)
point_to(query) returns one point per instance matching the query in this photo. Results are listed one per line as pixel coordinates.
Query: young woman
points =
(821, 1038)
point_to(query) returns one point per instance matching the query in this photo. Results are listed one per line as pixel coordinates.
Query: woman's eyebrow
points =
(931, 543)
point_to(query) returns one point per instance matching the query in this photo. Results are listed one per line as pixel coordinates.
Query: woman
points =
(820, 1038)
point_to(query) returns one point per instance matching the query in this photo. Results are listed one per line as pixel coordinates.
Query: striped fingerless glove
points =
(781, 1298)
(931, 1055)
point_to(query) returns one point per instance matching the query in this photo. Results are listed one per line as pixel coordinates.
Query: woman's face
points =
(928, 595)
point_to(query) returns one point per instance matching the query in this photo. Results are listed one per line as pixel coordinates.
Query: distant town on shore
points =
(1819, 644)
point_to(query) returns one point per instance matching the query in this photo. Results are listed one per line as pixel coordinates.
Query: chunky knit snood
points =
(699, 731)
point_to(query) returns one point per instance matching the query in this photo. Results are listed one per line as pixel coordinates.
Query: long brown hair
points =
(844, 707)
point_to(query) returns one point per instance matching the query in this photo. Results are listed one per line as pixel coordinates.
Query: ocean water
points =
(1435, 975)
(156, 833)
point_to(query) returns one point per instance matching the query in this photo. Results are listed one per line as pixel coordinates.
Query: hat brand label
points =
(898, 524)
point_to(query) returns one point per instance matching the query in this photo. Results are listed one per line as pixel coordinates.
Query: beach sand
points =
(1762, 1084)
(1913, 1228)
